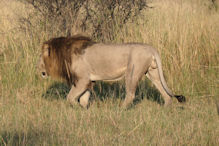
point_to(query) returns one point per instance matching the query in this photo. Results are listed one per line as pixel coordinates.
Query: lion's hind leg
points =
(153, 75)
(133, 76)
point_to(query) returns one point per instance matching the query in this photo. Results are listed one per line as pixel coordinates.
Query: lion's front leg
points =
(77, 91)
(84, 99)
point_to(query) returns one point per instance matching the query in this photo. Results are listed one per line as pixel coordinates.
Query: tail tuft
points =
(180, 98)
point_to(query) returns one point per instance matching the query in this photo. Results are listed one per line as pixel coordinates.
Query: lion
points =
(79, 61)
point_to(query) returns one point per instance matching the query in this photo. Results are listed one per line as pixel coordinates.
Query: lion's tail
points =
(180, 98)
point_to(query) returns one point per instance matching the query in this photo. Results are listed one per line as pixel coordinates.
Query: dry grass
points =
(35, 112)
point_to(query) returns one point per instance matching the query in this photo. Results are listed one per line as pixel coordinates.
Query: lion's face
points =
(48, 64)
(42, 67)
(44, 62)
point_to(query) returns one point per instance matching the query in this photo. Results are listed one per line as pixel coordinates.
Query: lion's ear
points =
(45, 50)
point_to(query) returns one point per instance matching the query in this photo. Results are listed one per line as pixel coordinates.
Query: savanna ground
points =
(35, 111)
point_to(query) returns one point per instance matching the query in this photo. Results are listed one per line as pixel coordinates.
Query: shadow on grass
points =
(105, 90)
(56, 91)
(20, 138)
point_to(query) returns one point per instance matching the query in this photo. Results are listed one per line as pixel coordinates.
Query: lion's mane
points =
(60, 53)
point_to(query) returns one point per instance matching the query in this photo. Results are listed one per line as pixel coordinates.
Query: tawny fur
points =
(79, 61)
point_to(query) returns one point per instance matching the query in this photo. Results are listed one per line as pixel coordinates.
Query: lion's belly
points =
(104, 75)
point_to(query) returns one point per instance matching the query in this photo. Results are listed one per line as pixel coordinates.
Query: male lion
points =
(80, 61)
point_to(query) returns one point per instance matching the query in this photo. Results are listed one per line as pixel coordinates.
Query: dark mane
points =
(61, 50)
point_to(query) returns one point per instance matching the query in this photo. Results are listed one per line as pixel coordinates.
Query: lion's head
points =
(56, 56)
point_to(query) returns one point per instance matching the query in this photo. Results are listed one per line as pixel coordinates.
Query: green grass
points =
(34, 111)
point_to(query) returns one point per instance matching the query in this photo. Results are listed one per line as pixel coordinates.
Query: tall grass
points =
(35, 112)
(186, 35)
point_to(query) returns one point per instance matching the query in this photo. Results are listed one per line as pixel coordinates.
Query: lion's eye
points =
(43, 73)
